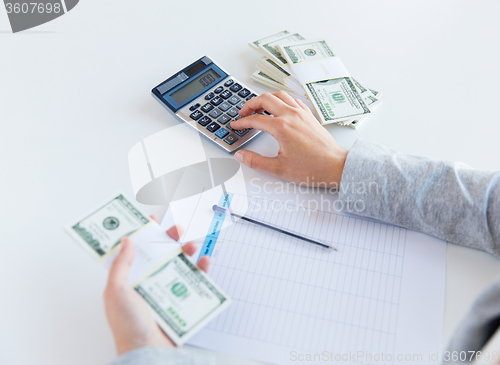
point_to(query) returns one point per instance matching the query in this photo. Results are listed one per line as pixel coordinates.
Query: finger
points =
(258, 162)
(118, 274)
(155, 218)
(175, 232)
(204, 263)
(257, 121)
(303, 105)
(286, 98)
(189, 248)
(266, 101)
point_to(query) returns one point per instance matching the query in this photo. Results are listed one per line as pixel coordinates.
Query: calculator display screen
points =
(195, 86)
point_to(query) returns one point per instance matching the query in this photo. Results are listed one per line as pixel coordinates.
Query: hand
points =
(308, 153)
(128, 316)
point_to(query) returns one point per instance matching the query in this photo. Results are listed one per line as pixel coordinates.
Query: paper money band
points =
(318, 70)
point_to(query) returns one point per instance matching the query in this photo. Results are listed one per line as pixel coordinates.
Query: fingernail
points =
(239, 156)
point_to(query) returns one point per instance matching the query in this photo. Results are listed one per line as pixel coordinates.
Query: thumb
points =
(257, 162)
(118, 274)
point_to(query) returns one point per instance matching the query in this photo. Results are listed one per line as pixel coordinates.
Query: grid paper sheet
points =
(291, 297)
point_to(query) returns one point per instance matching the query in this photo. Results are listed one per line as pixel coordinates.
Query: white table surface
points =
(75, 97)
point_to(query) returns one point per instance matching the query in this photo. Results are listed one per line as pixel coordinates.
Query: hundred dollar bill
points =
(182, 298)
(99, 231)
(334, 99)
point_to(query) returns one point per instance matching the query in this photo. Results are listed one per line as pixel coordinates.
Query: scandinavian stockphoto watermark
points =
(29, 14)
(382, 357)
(323, 196)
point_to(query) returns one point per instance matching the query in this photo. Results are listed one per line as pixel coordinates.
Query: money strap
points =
(318, 70)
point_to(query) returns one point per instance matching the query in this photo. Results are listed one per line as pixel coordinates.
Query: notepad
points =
(381, 293)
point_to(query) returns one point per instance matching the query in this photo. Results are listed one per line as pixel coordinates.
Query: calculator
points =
(209, 99)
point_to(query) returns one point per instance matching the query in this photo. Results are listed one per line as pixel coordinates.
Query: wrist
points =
(338, 163)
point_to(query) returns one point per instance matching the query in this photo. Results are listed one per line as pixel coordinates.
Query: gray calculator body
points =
(209, 99)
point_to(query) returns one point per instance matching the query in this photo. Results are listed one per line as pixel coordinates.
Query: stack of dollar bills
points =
(310, 71)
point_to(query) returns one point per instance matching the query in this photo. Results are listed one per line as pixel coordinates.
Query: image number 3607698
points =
(29, 14)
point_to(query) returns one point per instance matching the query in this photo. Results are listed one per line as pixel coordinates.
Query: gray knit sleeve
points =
(445, 199)
(163, 356)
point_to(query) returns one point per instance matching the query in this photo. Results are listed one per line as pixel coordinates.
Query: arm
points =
(447, 200)
(444, 199)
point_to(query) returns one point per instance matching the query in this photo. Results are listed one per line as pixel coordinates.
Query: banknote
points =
(182, 298)
(100, 230)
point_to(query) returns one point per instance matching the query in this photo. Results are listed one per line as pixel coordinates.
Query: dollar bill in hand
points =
(100, 230)
(180, 296)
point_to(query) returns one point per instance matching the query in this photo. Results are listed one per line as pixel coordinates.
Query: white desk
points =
(75, 97)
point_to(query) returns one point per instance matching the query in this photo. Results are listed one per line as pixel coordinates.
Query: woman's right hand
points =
(308, 154)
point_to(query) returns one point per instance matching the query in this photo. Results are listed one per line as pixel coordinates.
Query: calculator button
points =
(233, 112)
(221, 133)
(196, 115)
(228, 83)
(204, 121)
(231, 139)
(244, 93)
(234, 100)
(194, 106)
(216, 113)
(207, 107)
(241, 132)
(218, 90)
(209, 96)
(213, 127)
(224, 106)
(236, 87)
(228, 127)
(226, 94)
(224, 119)
(240, 105)
(217, 100)
(251, 96)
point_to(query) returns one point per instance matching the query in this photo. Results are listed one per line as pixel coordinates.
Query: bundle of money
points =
(310, 71)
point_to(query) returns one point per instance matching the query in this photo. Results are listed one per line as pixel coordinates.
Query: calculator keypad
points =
(222, 106)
